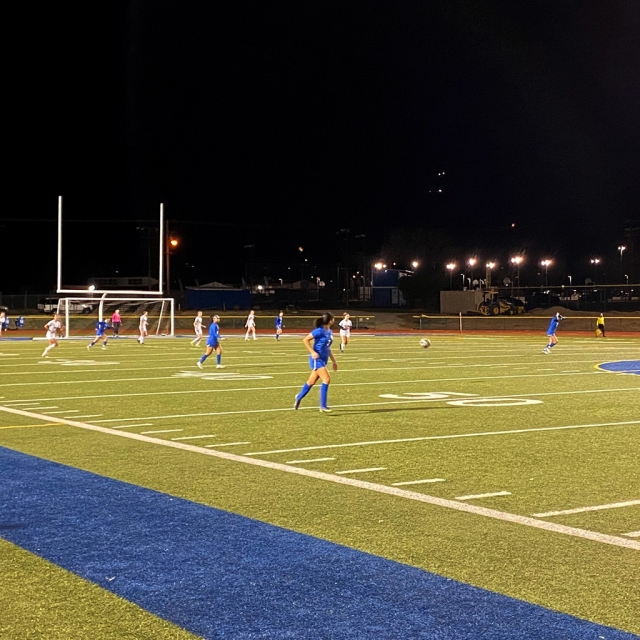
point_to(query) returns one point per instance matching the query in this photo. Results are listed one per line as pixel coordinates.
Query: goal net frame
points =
(167, 310)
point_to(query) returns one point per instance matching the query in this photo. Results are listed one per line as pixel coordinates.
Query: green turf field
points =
(480, 458)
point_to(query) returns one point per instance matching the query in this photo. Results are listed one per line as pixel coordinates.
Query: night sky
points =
(279, 124)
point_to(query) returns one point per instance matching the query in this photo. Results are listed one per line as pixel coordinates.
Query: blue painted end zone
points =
(622, 366)
(221, 575)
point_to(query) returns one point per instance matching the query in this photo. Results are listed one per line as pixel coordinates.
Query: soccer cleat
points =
(199, 365)
(219, 366)
(296, 403)
(545, 350)
(325, 410)
(88, 347)
(104, 348)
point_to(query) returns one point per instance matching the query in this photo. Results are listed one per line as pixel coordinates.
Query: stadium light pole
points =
(517, 260)
(595, 262)
(546, 264)
(621, 248)
(450, 267)
(489, 268)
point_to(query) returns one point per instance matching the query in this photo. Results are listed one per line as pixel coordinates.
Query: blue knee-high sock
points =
(204, 357)
(324, 390)
(303, 392)
(218, 358)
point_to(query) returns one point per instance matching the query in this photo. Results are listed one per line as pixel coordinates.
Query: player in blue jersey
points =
(101, 328)
(320, 354)
(279, 325)
(551, 332)
(213, 344)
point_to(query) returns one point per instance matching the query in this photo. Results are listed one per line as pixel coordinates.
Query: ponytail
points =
(324, 319)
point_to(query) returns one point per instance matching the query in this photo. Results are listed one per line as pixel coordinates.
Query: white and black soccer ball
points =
(425, 343)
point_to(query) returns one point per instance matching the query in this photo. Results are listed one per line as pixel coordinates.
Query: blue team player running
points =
(213, 344)
(551, 332)
(101, 328)
(279, 325)
(320, 351)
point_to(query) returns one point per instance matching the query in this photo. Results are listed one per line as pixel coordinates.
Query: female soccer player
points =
(101, 328)
(197, 327)
(116, 321)
(250, 324)
(320, 351)
(52, 327)
(345, 331)
(144, 321)
(213, 343)
(279, 325)
(551, 332)
(3, 319)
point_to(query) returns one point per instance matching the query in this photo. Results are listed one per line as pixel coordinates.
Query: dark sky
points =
(278, 124)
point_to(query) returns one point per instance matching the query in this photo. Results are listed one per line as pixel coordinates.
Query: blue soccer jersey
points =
(322, 339)
(101, 327)
(553, 325)
(279, 322)
(214, 335)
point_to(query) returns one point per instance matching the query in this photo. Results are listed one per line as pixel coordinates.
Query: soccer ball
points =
(425, 343)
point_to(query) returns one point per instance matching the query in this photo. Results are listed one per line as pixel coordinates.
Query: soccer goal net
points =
(81, 314)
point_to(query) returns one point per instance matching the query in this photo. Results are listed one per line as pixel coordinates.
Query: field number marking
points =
(361, 484)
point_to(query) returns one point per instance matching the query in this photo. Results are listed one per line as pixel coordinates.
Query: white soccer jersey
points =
(197, 325)
(143, 322)
(345, 326)
(251, 322)
(52, 328)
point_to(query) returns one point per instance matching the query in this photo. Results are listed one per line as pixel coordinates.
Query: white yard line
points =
(476, 434)
(225, 444)
(632, 534)
(413, 400)
(126, 426)
(91, 415)
(369, 486)
(484, 495)
(162, 431)
(339, 473)
(600, 507)
(51, 413)
(308, 460)
(428, 481)
(193, 437)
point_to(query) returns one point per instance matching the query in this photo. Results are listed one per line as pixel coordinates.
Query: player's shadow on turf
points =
(390, 409)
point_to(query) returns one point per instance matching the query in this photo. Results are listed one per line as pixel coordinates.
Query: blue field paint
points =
(622, 366)
(221, 575)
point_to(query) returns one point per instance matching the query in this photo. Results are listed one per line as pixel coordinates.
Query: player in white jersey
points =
(144, 321)
(250, 324)
(53, 327)
(3, 319)
(197, 327)
(345, 331)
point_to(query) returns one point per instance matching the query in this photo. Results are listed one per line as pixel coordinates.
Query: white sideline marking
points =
(600, 507)
(309, 460)
(91, 415)
(162, 431)
(484, 495)
(193, 437)
(633, 534)
(43, 408)
(361, 470)
(13, 403)
(446, 437)
(126, 426)
(361, 484)
(225, 444)
(402, 484)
